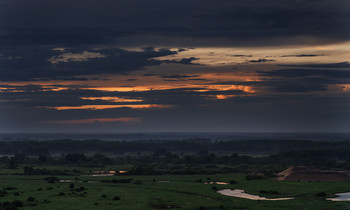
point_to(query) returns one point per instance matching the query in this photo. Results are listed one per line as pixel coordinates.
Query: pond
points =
(222, 183)
(341, 197)
(241, 194)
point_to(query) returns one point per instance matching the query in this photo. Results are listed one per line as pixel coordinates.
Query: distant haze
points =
(175, 136)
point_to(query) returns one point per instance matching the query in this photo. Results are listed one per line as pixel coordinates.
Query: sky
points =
(174, 66)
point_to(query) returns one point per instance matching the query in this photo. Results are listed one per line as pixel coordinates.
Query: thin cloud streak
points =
(100, 107)
(97, 120)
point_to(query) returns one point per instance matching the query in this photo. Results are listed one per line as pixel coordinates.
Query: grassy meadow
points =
(162, 192)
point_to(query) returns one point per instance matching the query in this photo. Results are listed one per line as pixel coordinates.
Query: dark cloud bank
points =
(31, 30)
(90, 22)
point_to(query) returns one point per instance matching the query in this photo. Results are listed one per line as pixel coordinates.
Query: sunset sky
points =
(174, 66)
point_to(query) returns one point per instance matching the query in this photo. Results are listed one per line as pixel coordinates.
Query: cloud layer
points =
(194, 65)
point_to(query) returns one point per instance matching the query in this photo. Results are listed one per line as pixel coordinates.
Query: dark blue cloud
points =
(252, 22)
(303, 55)
(261, 60)
(36, 64)
(326, 65)
(291, 73)
(241, 55)
(178, 76)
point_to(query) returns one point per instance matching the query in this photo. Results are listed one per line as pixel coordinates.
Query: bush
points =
(272, 192)
(11, 207)
(51, 179)
(2, 193)
(233, 182)
(138, 182)
(30, 199)
(116, 198)
(253, 177)
(118, 181)
(31, 204)
(321, 194)
(61, 194)
(17, 203)
(80, 189)
(5, 204)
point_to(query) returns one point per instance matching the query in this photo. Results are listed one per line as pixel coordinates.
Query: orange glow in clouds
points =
(221, 97)
(243, 88)
(100, 107)
(112, 99)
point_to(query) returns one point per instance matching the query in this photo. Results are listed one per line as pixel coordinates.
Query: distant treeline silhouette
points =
(161, 147)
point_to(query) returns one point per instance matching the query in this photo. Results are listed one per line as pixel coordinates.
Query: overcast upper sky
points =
(174, 66)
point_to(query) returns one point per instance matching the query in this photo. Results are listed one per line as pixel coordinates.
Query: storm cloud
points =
(44, 64)
(90, 22)
(194, 65)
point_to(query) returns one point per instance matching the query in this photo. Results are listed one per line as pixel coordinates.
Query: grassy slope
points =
(181, 191)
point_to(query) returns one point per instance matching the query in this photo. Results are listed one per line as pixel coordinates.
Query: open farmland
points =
(164, 192)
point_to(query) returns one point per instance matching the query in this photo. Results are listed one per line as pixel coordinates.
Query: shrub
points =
(17, 203)
(2, 193)
(118, 181)
(116, 198)
(321, 194)
(51, 179)
(253, 176)
(233, 182)
(11, 207)
(274, 192)
(80, 189)
(5, 204)
(138, 182)
(30, 199)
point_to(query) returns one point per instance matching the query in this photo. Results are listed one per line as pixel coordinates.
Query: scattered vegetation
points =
(164, 174)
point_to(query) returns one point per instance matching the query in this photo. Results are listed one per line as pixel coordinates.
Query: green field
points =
(178, 192)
